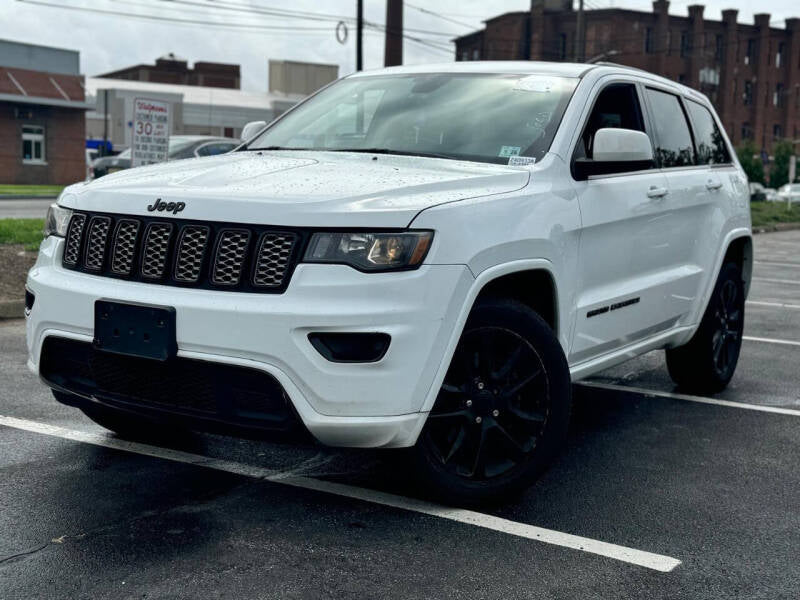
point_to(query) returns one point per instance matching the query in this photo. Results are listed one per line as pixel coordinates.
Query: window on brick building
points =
(562, 46)
(33, 144)
(648, 41)
(685, 43)
(779, 54)
(735, 88)
(750, 56)
(748, 93)
(747, 131)
(777, 96)
(776, 132)
(718, 48)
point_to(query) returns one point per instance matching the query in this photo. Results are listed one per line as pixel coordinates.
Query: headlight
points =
(57, 220)
(371, 251)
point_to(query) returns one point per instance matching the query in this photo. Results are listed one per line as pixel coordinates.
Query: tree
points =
(751, 162)
(779, 175)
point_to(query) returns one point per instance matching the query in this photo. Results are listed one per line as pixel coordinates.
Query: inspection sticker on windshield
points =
(521, 161)
(509, 151)
(535, 83)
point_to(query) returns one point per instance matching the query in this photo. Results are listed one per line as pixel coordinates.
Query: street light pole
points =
(359, 34)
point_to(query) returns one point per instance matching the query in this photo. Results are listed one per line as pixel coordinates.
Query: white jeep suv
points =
(413, 257)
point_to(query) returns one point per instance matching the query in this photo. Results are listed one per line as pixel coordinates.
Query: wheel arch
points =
(740, 251)
(498, 279)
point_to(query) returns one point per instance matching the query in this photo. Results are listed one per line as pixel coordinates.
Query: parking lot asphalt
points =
(664, 496)
(24, 208)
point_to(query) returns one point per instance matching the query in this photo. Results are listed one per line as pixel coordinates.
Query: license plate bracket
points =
(135, 329)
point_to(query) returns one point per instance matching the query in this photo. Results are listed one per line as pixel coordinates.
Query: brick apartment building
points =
(42, 115)
(750, 72)
(171, 69)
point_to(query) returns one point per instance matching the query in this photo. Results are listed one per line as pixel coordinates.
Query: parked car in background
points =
(757, 192)
(789, 192)
(180, 146)
(771, 195)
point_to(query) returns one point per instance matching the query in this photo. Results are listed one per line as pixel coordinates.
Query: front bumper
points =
(345, 404)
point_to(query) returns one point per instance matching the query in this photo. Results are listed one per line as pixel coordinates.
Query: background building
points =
(292, 77)
(750, 72)
(171, 69)
(194, 110)
(42, 115)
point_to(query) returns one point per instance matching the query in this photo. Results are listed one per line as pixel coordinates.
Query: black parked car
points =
(180, 146)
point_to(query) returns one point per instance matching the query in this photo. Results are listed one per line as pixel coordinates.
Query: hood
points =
(311, 189)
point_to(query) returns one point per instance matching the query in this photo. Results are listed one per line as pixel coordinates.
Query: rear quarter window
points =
(674, 146)
(711, 147)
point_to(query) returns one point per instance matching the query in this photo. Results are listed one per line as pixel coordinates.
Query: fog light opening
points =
(351, 347)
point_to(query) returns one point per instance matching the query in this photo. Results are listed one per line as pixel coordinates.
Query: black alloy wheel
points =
(706, 364)
(503, 409)
(492, 406)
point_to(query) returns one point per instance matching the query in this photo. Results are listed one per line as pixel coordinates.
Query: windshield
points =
(487, 118)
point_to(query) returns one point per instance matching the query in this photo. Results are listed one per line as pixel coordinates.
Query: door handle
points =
(713, 185)
(656, 192)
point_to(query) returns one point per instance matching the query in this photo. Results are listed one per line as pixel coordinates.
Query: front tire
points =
(502, 412)
(706, 364)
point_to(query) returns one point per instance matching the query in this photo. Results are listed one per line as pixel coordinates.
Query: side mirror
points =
(252, 128)
(615, 151)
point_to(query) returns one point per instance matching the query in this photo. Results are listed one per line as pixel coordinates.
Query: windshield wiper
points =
(389, 151)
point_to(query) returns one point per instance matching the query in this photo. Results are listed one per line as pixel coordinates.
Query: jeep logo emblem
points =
(161, 206)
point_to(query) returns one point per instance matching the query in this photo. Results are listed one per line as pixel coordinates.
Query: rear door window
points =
(674, 146)
(711, 147)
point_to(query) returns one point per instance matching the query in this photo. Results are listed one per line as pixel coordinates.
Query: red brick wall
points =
(65, 135)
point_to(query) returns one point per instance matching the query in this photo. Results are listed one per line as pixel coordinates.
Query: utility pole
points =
(359, 34)
(580, 34)
(393, 46)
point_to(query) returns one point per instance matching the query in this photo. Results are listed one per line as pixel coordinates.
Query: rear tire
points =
(503, 410)
(708, 361)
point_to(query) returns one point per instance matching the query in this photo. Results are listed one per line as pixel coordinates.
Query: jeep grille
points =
(177, 252)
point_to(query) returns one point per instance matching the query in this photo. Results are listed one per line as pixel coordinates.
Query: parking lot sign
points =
(150, 131)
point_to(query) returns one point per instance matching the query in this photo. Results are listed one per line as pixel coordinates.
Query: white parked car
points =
(417, 256)
(789, 192)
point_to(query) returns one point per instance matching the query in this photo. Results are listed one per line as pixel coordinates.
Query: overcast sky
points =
(108, 42)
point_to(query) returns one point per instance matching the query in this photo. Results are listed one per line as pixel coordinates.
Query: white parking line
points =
(781, 281)
(770, 263)
(641, 558)
(699, 399)
(772, 304)
(750, 338)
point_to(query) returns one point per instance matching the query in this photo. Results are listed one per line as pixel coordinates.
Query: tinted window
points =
(711, 148)
(616, 107)
(673, 139)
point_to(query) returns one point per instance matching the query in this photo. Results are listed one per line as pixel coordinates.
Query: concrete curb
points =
(776, 227)
(12, 309)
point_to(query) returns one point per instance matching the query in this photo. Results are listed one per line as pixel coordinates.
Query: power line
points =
(439, 16)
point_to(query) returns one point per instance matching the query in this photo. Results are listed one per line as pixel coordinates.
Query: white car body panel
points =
(603, 241)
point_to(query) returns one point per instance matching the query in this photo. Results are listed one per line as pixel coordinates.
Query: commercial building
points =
(292, 77)
(42, 115)
(750, 72)
(194, 110)
(171, 69)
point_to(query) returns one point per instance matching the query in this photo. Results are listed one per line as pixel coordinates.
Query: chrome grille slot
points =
(72, 247)
(191, 249)
(124, 247)
(272, 259)
(229, 256)
(156, 249)
(96, 243)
